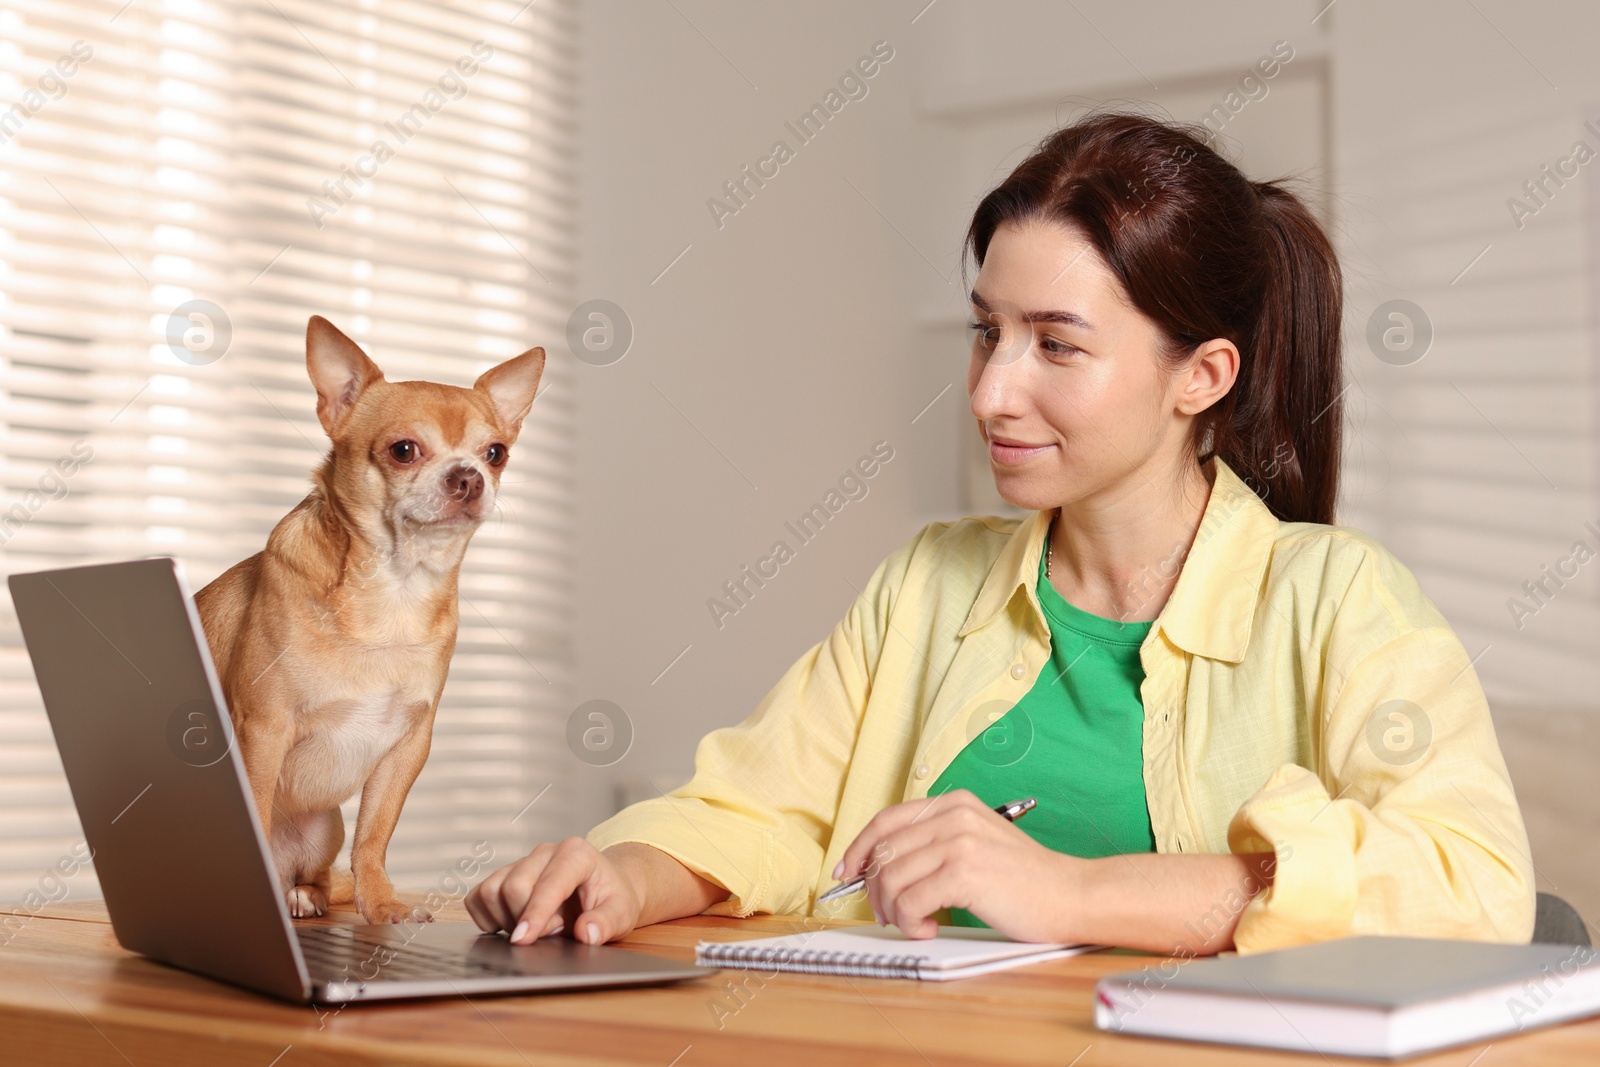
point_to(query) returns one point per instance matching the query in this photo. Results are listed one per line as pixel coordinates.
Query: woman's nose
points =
(1000, 387)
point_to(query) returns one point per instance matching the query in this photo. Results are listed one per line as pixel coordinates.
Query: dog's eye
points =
(496, 454)
(404, 451)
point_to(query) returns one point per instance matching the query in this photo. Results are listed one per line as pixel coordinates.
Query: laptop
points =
(161, 790)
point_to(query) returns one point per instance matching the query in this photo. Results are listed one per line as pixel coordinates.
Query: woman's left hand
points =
(954, 851)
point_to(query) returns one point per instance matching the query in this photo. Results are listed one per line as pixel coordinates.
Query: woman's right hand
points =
(570, 887)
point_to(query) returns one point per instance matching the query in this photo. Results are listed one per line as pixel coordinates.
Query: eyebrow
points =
(1070, 318)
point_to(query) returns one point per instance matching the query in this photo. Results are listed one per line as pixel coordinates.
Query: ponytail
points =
(1284, 433)
(1205, 253)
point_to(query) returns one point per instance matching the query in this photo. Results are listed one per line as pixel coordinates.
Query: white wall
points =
(767, 360)
(815, 323)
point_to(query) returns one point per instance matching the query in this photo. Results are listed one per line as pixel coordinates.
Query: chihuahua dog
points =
(332, 644)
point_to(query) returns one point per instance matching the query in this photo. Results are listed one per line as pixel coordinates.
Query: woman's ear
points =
(1213, 368)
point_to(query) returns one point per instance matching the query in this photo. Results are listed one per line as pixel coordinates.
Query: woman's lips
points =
(1012, 455)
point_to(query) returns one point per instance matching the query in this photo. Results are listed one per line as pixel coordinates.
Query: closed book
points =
(1357, 996)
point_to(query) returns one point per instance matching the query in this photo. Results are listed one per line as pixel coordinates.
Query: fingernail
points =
(593, 933)
(522, 928)
(838, 869)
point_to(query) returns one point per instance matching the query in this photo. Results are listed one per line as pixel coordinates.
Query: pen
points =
(1009, 812)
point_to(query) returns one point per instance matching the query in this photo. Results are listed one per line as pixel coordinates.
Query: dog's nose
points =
(464, 484)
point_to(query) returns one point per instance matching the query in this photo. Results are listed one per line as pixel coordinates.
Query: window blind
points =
(182, 183)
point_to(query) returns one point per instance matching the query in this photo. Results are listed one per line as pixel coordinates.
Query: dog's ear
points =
(339, 370)
(512, 386)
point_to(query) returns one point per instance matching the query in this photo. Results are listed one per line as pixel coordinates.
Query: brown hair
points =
(1205, 252)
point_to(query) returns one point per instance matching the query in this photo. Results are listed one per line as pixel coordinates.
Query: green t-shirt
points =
(1075, 741)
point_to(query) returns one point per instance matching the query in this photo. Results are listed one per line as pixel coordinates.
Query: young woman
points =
(1244, 727)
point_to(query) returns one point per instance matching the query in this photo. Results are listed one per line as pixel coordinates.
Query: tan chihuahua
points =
(333, 643)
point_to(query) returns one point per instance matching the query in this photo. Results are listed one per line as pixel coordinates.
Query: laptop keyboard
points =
(335, 953)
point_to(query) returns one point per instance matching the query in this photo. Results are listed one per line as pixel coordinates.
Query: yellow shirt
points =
(1302, 696)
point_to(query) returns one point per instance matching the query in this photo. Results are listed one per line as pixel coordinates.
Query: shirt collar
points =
(1213, 603)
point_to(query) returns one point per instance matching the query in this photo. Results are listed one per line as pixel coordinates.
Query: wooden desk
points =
(71, 997)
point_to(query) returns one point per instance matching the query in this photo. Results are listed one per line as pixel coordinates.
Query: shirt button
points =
(1018, 670)
(922, 770)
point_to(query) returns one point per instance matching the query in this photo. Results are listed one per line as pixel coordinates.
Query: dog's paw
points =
(394, 911)
(307, 902)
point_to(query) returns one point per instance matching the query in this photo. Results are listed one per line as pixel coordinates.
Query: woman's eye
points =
(1058, 348)
(404, 451)
(984, 334)
(496, 454)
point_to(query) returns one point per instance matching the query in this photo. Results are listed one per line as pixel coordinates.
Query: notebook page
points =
(954, 948)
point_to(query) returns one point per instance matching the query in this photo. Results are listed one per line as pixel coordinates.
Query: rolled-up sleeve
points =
(1410, 825)
(757, 816)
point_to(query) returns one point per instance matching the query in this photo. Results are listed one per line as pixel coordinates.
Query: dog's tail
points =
(341, 886)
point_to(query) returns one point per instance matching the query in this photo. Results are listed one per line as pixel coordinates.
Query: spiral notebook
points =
(884, 952)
